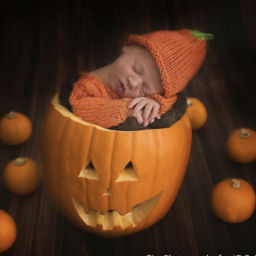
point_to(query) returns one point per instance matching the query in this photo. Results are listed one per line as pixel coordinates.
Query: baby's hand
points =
(138, 116)
(145, 110)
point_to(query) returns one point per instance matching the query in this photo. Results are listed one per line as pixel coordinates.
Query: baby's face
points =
(135, 74)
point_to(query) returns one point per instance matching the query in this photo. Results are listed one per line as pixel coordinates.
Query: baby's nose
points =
(134, 82)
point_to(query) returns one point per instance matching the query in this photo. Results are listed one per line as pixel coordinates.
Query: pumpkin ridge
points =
(60, 157)
(89, 159)
(111, 166)
(127, 192)
(157, 161)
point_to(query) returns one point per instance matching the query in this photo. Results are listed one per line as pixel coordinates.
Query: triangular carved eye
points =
(128, 174)
(129, 165)
(90, 166)
(89, 172)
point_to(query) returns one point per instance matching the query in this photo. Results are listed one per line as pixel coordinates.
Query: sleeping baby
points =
(143, 85)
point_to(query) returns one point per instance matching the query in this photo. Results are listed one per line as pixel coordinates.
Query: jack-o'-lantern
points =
(110, 182)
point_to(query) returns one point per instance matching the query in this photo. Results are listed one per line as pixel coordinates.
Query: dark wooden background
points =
(44, 43)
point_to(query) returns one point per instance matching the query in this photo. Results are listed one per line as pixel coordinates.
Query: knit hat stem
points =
(200, 35)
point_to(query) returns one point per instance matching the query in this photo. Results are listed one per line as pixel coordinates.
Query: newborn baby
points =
(131, 124)
(143, 82)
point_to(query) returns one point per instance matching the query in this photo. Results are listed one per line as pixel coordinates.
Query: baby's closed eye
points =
(137, 68)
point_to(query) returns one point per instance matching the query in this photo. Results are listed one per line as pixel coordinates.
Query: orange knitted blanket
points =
(95, 102)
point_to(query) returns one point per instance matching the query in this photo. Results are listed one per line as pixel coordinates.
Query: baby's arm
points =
(105, 112)
(144, 109)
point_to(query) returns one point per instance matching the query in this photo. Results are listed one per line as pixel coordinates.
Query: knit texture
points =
(95, 102)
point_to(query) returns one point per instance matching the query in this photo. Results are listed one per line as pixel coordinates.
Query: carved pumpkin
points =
(196, 112)
(241, 145)
(233, 200)
(108, 182)
(15, 128)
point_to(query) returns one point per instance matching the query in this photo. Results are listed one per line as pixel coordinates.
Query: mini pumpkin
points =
(233, 200)
(196, 112)
(8, 231)
(241, 145)
(15, 128)
(21, 176)
(109, 182)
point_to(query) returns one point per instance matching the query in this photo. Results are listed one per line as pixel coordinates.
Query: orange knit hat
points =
(178, 55)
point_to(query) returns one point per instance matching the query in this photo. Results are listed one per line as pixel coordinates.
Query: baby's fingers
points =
(134, 102)
(139, 117)
(147, 111)
(154, 114)
(140, 105)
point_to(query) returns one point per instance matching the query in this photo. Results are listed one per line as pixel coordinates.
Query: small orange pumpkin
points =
(233, 200)
(241, 145)
(8, 231)
(21, 176)
(109, 182)
(15, 128)
(196, 112)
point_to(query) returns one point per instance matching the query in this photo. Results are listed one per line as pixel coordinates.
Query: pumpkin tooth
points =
(129, 219)
(125, 222)
(92, 217)
(99, 219)
(117, 219)
(108, 221)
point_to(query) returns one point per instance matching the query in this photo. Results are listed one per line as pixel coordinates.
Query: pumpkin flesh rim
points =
(65, 112)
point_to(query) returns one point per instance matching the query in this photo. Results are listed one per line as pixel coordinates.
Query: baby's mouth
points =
(121, 87)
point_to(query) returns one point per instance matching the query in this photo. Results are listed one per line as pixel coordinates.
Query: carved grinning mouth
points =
(114, 219)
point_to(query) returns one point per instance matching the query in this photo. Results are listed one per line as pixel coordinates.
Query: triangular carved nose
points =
(107, 193)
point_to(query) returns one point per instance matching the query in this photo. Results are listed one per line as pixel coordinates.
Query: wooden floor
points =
(43, 44)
